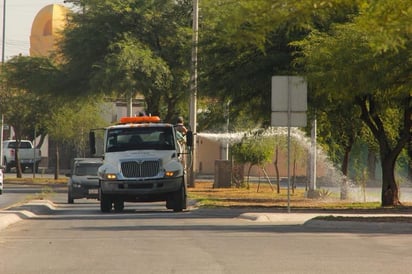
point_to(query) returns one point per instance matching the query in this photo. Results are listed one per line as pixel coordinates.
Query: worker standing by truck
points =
(180, 127)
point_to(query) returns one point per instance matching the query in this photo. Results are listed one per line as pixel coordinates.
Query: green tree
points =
(244, 43)
(254, 149)
(337, 130)
(124, 48)
(345, 65)
(31, 101)
(23, 98)
(70, 123)
(19, 110)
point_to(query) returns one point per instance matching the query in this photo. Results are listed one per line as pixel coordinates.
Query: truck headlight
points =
(111, 176)
(171, 173)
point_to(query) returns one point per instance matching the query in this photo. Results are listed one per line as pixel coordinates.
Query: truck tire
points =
(118, 205)
(70, 199)
(179, 199)
(105, 203)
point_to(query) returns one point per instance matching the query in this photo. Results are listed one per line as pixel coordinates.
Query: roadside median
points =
(25, 211)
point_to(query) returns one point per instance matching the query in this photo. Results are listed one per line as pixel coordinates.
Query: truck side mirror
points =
(189, 138)
(92, 141)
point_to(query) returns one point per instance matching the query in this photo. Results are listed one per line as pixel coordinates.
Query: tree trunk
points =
(410, 160)
(294, 176)
(388, 153)
(277, 169)
(19, 173)
(390, 190)
(41, 141)
(57, 167)
(248, 176)
(345, 165)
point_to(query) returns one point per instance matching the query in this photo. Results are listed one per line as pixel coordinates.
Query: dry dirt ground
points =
(264, 198)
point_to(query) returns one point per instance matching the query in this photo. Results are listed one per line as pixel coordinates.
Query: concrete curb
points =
(280, 218)
(10, 217)
(309, 220)
(25, 211)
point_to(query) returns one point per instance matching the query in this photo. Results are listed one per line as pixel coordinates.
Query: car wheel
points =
(8, 167)
(105, 203)
(36, 168)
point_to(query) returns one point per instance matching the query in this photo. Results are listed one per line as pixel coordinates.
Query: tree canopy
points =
(345, 64)
(124, 48)
(244, 43)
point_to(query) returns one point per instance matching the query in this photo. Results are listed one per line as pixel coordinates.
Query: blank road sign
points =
(282, 88)
(297, 87)
(280, 119)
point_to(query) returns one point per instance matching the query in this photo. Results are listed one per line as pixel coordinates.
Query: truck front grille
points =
(135, 169)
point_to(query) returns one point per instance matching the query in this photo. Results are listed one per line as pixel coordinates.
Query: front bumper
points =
(141, 188)
(84, 191)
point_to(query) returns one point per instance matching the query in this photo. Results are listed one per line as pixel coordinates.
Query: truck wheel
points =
(105, 203)
(70, 199)
(179, 199)
(118, 205)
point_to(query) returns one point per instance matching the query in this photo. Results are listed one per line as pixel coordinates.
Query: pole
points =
(289, 125)
(193, 91)
(2, 63)
(313, 156)
(4, 32)
(34, 154)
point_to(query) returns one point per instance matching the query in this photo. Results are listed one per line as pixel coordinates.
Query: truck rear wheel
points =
(118, 205)
(105, 203)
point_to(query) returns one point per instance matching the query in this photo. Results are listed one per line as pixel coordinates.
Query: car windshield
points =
(139, 138)
(84, 169)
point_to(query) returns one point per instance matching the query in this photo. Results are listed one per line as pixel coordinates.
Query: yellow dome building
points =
(46, 28)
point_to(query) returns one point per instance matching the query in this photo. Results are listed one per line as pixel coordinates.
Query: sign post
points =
(289, 106)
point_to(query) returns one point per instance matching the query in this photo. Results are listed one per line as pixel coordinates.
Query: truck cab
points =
(142, 162)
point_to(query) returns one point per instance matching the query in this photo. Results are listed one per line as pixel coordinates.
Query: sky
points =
(19, 19)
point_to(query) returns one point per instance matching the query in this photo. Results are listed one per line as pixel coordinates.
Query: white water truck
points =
(143, 161)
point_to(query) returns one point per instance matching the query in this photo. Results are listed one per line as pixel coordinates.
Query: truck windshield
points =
(140, 138)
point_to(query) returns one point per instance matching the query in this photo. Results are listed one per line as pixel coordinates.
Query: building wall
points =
(208, 151)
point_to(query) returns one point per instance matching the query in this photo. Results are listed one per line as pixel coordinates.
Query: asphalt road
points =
(147, 238)
(13, 194)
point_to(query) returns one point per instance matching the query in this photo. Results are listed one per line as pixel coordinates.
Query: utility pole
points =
(2, 64)
(193, 91)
